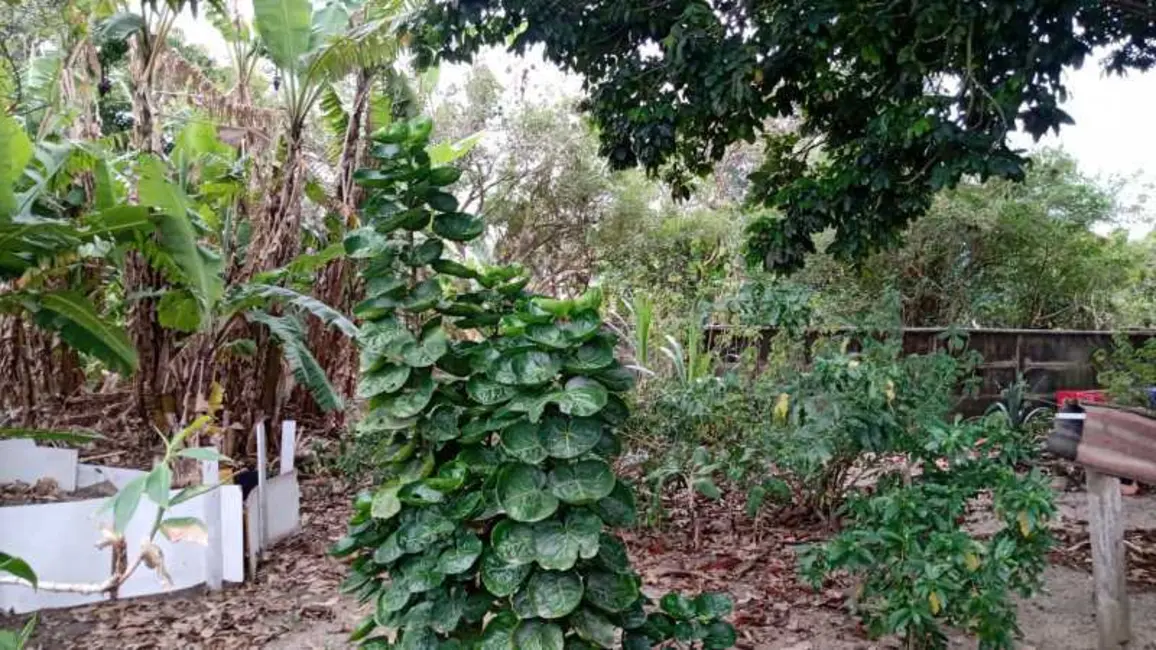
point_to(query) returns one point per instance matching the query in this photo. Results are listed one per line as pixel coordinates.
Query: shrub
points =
(1128, 371)
(492, 416)
(919, 569)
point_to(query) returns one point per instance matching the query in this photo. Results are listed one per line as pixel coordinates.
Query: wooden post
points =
(1109, 563)
(214, 554)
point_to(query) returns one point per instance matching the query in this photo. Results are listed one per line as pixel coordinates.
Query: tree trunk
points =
(338, 284)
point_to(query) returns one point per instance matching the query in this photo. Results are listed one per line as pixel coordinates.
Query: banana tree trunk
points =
(338, 283)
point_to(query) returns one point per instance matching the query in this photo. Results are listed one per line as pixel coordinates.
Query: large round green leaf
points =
(442, 201)
(441, 176)
(549, 335)
(582, 326)
(521, 440)
(461, 554)
(417, 638)
(611, 592)
(385, 380)
(582, 397)
(499, 632)
(393, 598)
(424, 253)
(612, 554)
(426, 527)
(521, 492)
(385, 502)
(615, 412)
(526, 368)
(389, 551)
(424, 296)
(488, 392)
(615, 377)
(458, 226)
(567, 437)
(411, 400)
(592, 355)
(420, 573)
(538, 635)
(558, 545)
(502, 579)
(618, 508)
(582, 482)
(554, 594)
(594, 628)
(513, 542)
(424, 353)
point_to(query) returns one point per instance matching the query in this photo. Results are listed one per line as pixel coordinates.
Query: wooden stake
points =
(1109, 563)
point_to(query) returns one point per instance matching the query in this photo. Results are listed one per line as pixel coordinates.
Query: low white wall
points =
(58, 541)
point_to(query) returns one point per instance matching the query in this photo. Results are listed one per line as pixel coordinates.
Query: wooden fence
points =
(1049, 360)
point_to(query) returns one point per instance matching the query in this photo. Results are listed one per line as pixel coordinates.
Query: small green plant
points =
(919, 570)
(1016, 409)
(492, 414)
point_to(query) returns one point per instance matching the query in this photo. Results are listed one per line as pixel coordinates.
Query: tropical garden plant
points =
(493, 412)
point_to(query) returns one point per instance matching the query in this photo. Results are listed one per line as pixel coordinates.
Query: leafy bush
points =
(919, 569)
(492, 414)
(1128, 371)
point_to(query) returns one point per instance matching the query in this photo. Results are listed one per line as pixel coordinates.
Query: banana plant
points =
(198, 186)
(37, 246)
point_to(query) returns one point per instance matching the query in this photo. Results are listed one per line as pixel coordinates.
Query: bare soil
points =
(293, 603)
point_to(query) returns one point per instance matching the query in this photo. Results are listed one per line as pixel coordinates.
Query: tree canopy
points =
(894, 101)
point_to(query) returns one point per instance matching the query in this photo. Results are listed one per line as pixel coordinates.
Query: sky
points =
(1114, 136)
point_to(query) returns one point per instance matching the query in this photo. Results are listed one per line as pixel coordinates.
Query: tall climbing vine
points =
(493, 416)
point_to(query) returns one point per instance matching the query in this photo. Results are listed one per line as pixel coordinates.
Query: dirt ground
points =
(293, 605)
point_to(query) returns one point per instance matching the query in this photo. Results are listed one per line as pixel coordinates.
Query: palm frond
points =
(304, 302)
(306, 371)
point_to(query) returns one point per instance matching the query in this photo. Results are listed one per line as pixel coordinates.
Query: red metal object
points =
(1082, 396)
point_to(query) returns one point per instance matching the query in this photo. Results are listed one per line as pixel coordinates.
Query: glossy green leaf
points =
(15, 566)
(612, 554)
(285, 27)
(521, 440)
(458, 226)
(592, 355)
(526, 368)
(426, 352)
(521, 492)
(538, 635)
(410, 400)
(386, 504)
(124, 504)
(488, 392)
(15, 152)
(554, 594)
(420, 573)
(582, 482)
(502, 579)
(513, 542)
(158, 483)
(594, 627)
(384, 380)
(618, 508)
(567, 437)
(611, 592)
(558, 545)
(460, 556)
(499, 632)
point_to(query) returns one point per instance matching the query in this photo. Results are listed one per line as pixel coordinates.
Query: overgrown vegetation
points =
(491, 527)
